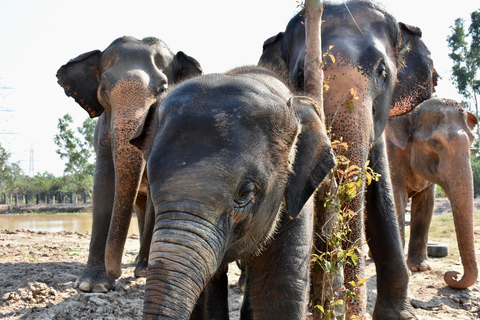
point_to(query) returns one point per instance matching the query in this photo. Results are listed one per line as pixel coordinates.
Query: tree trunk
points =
(326, 218)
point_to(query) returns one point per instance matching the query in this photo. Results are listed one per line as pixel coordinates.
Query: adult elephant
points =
(233, 160)
(428, 146)
(118, 85)
(370, 48)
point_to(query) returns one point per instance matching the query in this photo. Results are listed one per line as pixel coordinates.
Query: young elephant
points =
(233, 160)
(118, 85)
(428, 146)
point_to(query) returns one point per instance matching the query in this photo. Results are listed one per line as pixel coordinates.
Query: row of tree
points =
(74, 146)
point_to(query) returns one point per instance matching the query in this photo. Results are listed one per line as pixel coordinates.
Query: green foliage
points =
(76, 147)
(475, 160)
(346, 182)
(12, 176)
(77, 150)
(465, 53)
(439, 192)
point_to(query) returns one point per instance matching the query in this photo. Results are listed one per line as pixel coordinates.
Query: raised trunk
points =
(128, 108)
(460, 193)
(186, 252)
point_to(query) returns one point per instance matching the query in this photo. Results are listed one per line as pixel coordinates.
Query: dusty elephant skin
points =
(370, 49)
(118, 85)
(233, 160)
(428, 146)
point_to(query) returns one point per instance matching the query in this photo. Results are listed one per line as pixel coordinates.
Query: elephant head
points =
(120, 84)
(231, 157)
(437, 137)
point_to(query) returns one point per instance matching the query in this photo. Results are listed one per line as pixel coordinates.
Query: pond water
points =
(54, 222)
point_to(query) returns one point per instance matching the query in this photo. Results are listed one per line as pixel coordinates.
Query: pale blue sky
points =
(37, 37)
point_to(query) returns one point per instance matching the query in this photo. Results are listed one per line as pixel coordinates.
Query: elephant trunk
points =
(185, 253)
(130, 101)
(460, 193)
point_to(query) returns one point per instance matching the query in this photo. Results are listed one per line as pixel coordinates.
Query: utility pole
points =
(2, 108)
(31, 166)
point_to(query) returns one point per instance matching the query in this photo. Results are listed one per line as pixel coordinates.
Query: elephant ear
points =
(80, 79)
(471, 121)
(409, 28)
(416, 75)
(272, 53)
(399, 131)
(314, 157)
(141, 137)
(185, 67)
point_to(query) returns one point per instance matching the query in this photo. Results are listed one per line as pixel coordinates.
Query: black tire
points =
(437, 249)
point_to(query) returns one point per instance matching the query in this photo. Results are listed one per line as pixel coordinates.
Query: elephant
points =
(118, 85)
(427, 146)
(232, 163)
(370, 50)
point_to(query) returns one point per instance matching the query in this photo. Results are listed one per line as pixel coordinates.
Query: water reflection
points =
(54, 222)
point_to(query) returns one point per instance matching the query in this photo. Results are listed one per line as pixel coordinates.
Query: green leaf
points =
(350, 105)
(319, 307)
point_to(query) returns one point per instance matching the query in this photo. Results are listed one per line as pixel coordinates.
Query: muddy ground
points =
(38, 269)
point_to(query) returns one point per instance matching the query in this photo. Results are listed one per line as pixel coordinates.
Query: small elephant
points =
(233, 160)
(118, 85)
(427, 146)
(371, 50)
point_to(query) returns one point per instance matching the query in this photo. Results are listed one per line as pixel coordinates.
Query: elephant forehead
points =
(132, 51)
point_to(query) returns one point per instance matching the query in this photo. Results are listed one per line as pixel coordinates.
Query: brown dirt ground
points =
(38, 269)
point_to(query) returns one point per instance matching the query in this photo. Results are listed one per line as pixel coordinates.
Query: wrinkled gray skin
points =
(118, 85)
(232, 160)
(428, 146)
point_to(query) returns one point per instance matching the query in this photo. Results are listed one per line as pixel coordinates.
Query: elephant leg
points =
(217, 295)
(278, 280)
(94, 277)
(383, 237)
(146, 216)
(422, 211)
(401, 201)
(140, 209)
(213, 301)
(246, 310)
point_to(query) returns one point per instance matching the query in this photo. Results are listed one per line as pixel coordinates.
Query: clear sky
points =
(37, 37)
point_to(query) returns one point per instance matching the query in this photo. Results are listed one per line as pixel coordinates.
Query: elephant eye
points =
(382, 73)
(435, 144)
(160, 62)
(245, 194)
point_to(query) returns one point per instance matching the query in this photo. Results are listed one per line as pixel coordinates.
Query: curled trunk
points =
(460, 194)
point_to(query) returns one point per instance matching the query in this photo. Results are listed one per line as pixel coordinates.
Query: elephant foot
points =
(418, 264)
(94, 281)
(398, 309)
(141, 269)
